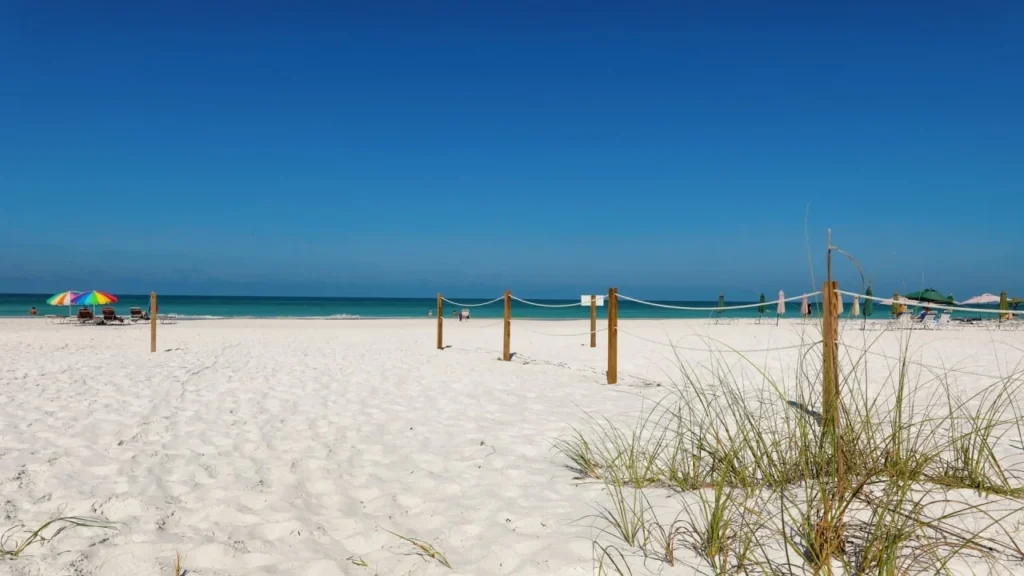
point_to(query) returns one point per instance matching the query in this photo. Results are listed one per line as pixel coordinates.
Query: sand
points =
(294, 446)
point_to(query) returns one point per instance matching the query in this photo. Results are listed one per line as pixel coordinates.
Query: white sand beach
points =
(294, 447)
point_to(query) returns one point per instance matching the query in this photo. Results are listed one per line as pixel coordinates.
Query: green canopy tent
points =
(931, 296)
(869, 304)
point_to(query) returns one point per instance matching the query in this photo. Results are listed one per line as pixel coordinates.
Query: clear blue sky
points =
(389, 148)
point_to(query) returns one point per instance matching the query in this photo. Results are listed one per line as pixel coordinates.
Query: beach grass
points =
(426, 549)
(13, 547)
(755, 477)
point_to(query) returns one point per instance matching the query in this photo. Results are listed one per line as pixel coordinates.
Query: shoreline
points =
(601, 322)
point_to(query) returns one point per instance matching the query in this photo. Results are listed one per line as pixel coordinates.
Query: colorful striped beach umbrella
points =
(62, 299)
(94, 298)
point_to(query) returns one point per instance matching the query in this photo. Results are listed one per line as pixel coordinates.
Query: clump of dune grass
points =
(626, 517)
(714, 529)
(12, 547)
(756, 476)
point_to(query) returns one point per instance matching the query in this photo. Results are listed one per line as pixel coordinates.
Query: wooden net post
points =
(830, 338)
(593, 321)
(613, 335)
(440, 321)
(832, 521)
(506, 352)
(830, 358)
(152, 321)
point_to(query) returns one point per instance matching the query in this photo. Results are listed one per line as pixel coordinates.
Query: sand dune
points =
(293, 447)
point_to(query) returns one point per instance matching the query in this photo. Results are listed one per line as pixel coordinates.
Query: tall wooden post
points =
(830, 341)
(593, 321)
(613, 335)
(831, 409)
(831, 425)
(830, 338)
(440, 321)
(152, 321)
(830, 355)
(506, 351)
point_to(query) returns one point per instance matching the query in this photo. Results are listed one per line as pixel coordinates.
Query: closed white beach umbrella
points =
(839, 297)
(856, 307)
(805, 306)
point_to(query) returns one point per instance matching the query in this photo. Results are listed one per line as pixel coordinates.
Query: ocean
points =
(214, 307)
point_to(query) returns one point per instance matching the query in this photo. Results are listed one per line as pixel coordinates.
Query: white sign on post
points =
(585, 300)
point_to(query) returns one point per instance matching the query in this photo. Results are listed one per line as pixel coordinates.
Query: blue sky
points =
(668, 148)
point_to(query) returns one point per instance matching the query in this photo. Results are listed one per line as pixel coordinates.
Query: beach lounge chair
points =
(85, 316)
(110, 316)
(1011, 324)
(137, 315)
(933, 322)
(927, 320)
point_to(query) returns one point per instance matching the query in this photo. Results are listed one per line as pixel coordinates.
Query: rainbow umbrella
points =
(93, 298)
(63, 299)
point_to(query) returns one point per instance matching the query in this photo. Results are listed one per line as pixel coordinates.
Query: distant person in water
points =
(430, 313)
(33, 311)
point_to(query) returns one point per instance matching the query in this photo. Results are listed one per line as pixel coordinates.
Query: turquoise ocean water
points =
(214, 307)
